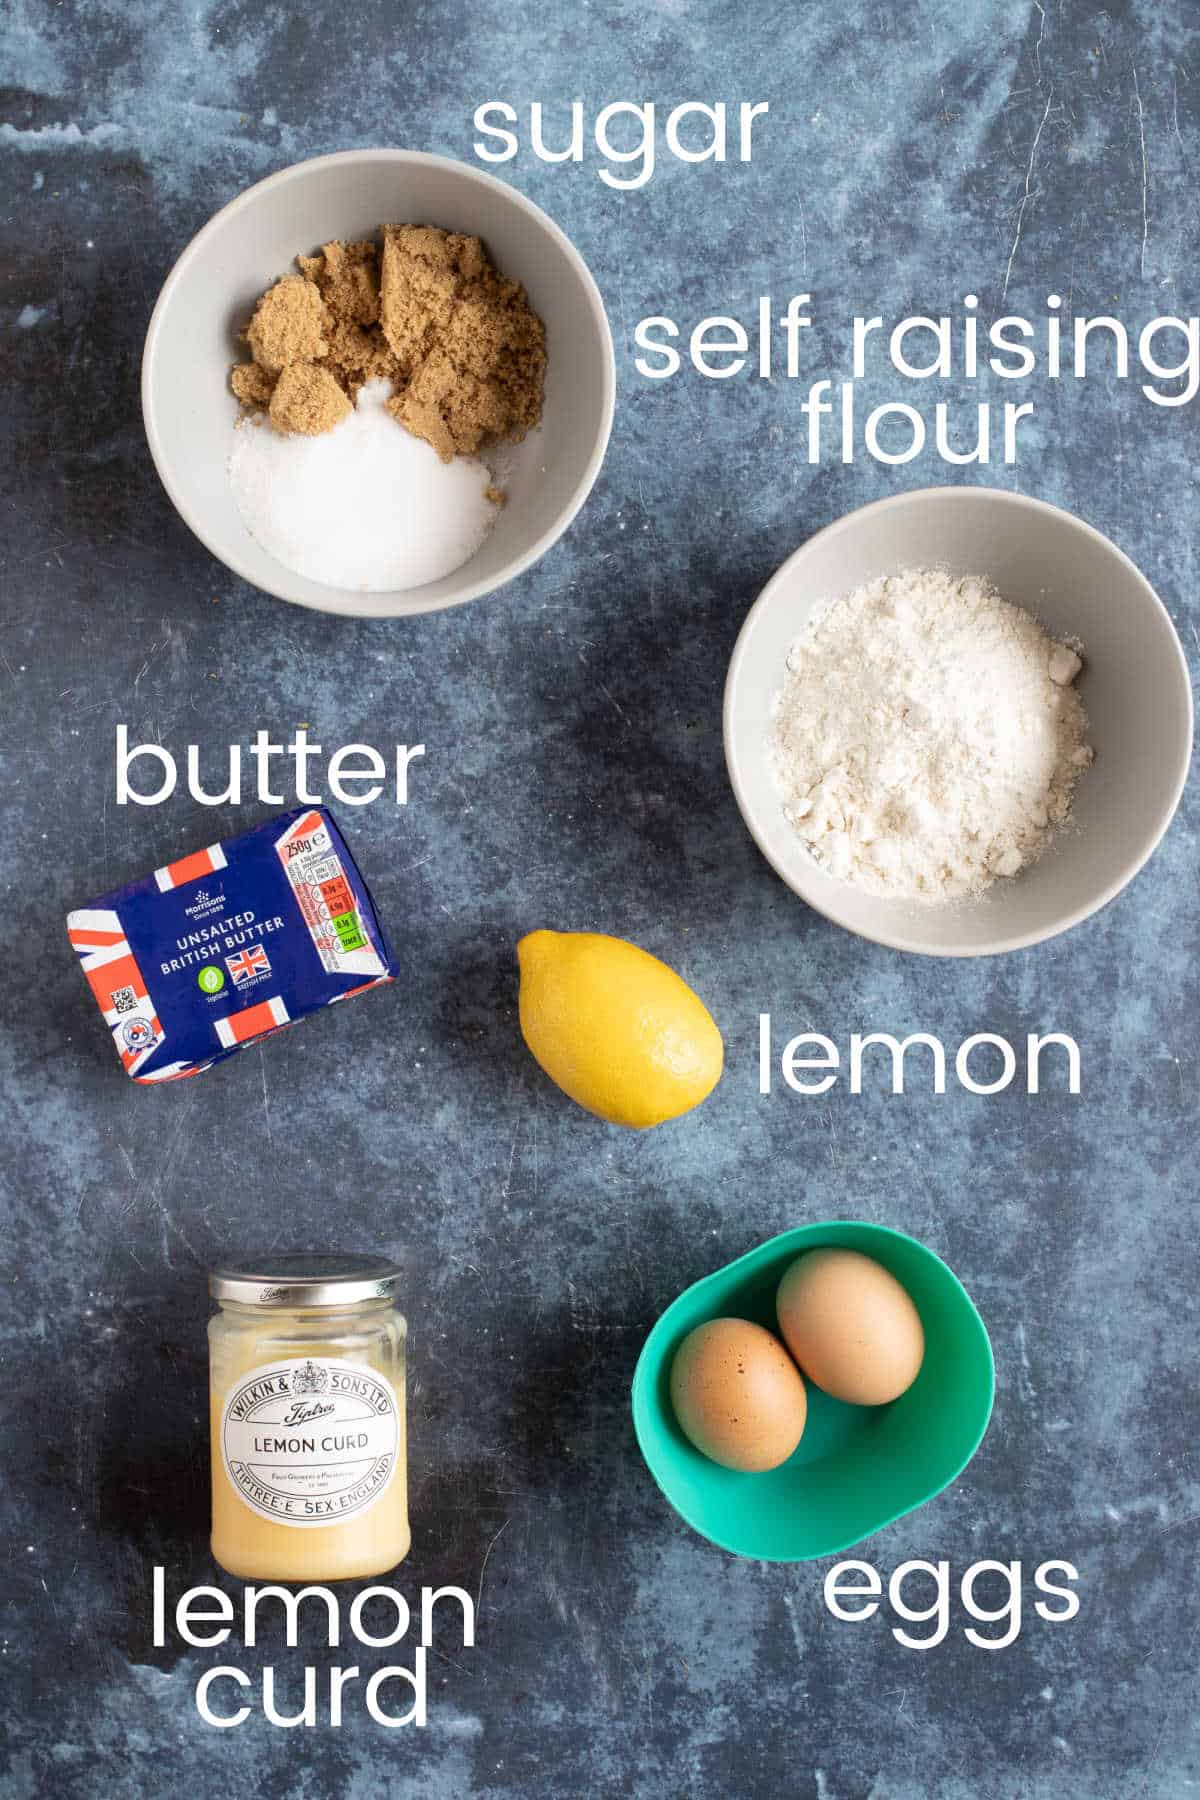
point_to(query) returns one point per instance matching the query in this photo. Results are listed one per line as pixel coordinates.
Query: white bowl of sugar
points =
(889, 840)
(193, 340)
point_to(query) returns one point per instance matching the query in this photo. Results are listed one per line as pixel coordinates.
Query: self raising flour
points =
(927, 738)
(363, 505)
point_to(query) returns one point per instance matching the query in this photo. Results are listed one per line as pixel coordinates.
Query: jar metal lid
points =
(293, 1278)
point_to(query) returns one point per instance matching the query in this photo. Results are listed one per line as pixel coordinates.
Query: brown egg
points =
(851, 1326)
(738, 1395)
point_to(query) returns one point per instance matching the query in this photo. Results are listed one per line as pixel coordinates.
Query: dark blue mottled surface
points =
(913, 152)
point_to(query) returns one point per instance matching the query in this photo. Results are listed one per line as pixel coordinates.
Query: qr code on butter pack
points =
(124, 1000)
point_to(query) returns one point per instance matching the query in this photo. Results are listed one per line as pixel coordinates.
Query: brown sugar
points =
(358, 354)
(450, 408)
(429, 312)
(349, 280)
(252, 385)
(466, 336)
(307, 401)
(289, 324)
(419, 281)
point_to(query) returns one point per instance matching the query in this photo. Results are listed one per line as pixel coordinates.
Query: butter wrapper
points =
(223, 947)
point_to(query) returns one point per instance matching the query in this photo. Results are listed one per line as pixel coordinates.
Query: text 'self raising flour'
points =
(218, 949)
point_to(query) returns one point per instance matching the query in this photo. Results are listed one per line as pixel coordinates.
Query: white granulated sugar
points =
(927, 738)
(366, 505)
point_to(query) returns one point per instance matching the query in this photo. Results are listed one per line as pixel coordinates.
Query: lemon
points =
(618, 1031)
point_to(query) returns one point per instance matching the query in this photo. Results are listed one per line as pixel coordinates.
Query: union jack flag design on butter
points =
(248, 964)
(282, 911)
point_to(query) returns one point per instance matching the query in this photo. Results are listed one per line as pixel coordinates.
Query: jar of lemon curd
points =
(306, 1383)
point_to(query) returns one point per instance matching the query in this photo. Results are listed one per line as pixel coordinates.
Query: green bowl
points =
(857, 1468)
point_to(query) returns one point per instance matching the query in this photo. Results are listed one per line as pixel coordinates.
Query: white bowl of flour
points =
(911, 739)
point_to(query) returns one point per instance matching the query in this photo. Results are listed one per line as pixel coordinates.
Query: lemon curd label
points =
(311, 1443)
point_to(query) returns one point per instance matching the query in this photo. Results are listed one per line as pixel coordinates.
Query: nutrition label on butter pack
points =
(325, 898)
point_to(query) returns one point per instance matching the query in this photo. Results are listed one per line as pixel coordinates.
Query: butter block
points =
(223, 947)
